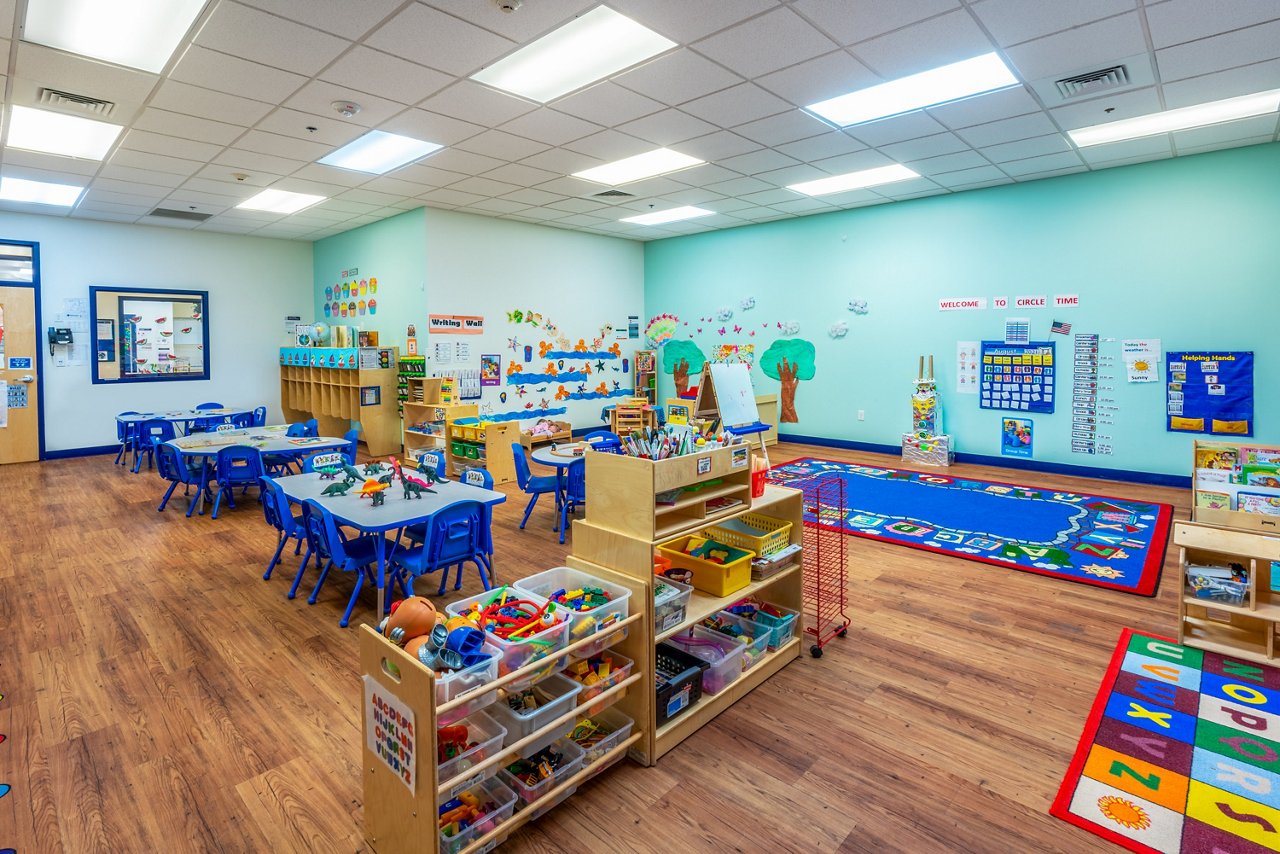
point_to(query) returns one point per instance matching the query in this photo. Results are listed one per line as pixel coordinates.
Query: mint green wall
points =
(393, 250)
(1181, 250)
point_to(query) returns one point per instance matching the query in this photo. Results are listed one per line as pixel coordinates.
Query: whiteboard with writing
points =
(734, 396)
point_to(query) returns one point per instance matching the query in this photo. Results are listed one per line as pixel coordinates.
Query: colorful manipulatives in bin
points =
(509, 618)
(410, 618)
(451, 741)
(588, 733)
(538, 767)
(462, 812)
(591, 670)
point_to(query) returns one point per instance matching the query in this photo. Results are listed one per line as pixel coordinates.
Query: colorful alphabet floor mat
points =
(1091, 539)
(1181, 753)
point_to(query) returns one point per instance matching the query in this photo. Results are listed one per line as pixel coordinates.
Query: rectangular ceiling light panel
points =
(671, 215)
(855, 180)
(656, 162)
(985, 73)
(280, 201)
(39, 192)
(591, 47)
(56, 133)
(1212, 113)
(139, 34)
(378, 152)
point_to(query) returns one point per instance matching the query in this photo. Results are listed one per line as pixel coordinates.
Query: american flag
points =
(1060, 328)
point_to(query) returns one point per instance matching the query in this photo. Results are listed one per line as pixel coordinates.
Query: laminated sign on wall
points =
(1210, 392)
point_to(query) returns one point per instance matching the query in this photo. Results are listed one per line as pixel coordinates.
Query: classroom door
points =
(19, 368)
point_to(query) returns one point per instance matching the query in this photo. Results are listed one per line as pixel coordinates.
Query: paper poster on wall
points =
(1209, 392)
(1019, 377)
(455, 324)
(962, 303)
(1141, 359)
(1016, 436)
(620, 331)
(491, 369)
(1017, 330)
(633, 326)
(462, 351)
(444, 353)
(389, 732)
(967, 367)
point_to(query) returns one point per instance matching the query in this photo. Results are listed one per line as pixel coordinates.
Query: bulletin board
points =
(1210, 392)
(1018, 376)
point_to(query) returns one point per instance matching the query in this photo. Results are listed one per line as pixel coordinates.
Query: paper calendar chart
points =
(1018, 377)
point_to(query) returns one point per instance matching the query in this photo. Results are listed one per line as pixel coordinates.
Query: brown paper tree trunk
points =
(787, 376)
(681, 375)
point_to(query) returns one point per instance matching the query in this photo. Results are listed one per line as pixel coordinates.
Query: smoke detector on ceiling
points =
(509, 6)
(346, 109)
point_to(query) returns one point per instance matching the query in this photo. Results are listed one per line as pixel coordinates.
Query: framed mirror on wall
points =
(149, 335)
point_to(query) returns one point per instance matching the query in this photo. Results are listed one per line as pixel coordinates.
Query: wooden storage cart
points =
(1247, 630)
(338, 397)
(491, 441)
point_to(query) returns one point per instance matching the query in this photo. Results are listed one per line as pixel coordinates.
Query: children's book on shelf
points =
(1213, 476)
(1261, 475)
(1213, 500)
(1256, 502)
(1259, 456)
(1216, 458)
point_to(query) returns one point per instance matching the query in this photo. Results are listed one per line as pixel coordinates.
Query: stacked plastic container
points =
(488, 736)
(450, 685)
(584, 623)
(490, 791)
(556, 694)
(519, 652)
(722, 653)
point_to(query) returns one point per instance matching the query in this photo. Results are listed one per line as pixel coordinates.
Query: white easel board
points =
(734, 396)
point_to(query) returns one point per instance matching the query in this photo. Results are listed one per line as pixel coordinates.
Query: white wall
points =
(486, 266)
(253, 283)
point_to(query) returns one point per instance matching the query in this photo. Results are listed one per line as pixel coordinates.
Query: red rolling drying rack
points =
(826, 572)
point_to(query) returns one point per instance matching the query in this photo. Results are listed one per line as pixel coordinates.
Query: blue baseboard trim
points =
(1155, 478)
(67, 453)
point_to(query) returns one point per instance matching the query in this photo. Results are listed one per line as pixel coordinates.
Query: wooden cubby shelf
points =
(333, 396)
(703, 605)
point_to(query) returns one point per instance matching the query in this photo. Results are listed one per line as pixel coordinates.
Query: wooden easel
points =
(707, 407)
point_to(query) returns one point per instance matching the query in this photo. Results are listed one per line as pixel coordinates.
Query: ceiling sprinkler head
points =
(240, 176)
(346, 109)
(509, 6)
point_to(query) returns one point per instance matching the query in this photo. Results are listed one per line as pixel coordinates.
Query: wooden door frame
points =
(34, 284)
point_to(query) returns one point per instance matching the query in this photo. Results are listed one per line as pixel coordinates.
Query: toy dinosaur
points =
(337, 488)
(414, 487)
(374, 490)
(352, 473)
(387, 478)
(430, 476)
(373, 467)
(329, 472)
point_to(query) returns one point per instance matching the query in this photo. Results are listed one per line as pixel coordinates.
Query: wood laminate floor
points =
(160, 696)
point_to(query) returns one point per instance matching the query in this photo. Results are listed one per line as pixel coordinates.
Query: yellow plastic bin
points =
(709, 577)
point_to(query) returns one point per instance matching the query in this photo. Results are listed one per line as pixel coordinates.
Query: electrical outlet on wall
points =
(862, 416)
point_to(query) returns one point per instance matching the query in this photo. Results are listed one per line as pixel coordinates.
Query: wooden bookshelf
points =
(342, 397)
(1239, 467)
(645, 370)
(489, 440)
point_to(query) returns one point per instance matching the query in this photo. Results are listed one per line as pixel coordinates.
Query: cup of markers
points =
(670, 441)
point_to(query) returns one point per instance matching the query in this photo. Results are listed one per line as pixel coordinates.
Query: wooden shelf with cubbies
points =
(645, 371)
(339, 398)
(472, 443)
(432, 404)
(1246, 625)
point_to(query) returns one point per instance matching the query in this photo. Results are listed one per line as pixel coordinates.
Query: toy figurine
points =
(374, 490)
(412, 617)
(352, 473)
(373, 467)
(329, 472)
(337, 488)
(414, 487)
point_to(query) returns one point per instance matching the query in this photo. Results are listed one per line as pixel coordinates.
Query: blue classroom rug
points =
(1115, 543)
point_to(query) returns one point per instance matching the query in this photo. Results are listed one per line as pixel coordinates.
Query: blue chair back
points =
(454, 534)
(126, 430)
(240, 465)
(576, 481)
(170, 465)
(523, 474)
(322, 533)
(434, 459)
(296, 431)
(271, 497)
(603, 440)
(309, 464)
(259, 417)
(312, 426)
(156, 431)
(208, 405)
(242, 420)
(352, 438)
(477, 477)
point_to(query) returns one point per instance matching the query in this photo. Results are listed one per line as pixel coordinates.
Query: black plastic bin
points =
(679, 678)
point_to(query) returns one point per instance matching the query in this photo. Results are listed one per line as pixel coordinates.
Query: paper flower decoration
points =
(839, 329)
(858, 306)
(791, 327)
(661, 329)
(724, 313)
(747, 303)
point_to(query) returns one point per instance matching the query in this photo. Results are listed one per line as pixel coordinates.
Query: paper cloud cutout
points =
(747, 303)
(858, 306)
(791, 327)
(724, 313)
(839, 329)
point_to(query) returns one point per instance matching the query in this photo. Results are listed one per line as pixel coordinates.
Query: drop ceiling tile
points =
(283, 146)
(706, 173)
(739, 186)
(157, 162)
(254, 162)
(72, 73)
(789, 37)
(185, 195)
(141, 176)
(677, 77)
(317, 98)
(966, 177)
(565, 162)
(577, 188)
(257, 36)
(328, 131)
(550, 126)
(785, 127)
(172, 146)
(610, 145)
(521, 175)
(1179, 21)
(718, 146)
(896, 129)
(341, 17)
(836, 73)
(855, 162)
(682, 21)
(366, 70)
(979, 185)
(981, 109)
(1082, 49)
(484, 186)
(432, 127)
(88, 206)
(649, 188)
(828, 144)
(1158, 145)
(607, 104)
(1044, 163)
(529, 196)
(239, 192)
(540, 214)
(179, 97)
(947, 163)
(223, 73)
(725, 205)
(431, 37)
(737, 105)
(369, 197)
(1127, 161)
(850, 21)
(1025, 148)
(1229, 50)
(789, 175)
(910, 187)
(456, 160)
(51, 163)
(771, 197)
(478, 104)
(1007, 130)
(331, 175)
(347, 206)
(1218, 146)
(764, 160)
(1014, 21)
(928, 44)
(55, 176)
(503, 206)
(667, 127)
(191, 127)
(1125, 105)
(312, 188)
(129, 188)
(803, 206)
(1050, 173)
(1223, 84)
(577, 205)
(1243, 129)
(100, 216)
(693, 196)
(219, 172)
(501, 145)
(925, 146)
(110, 196)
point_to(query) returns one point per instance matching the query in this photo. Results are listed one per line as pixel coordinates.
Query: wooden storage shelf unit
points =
(403, 821)
(1249, 629)
(335, 397)
(489, 440)
(430, 406)
(1222, 470)
(645, 368)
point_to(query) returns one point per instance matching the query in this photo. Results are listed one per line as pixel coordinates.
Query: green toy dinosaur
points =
(337, 488)
(373, 467)
(329, 472)
(352, 474)
(413, 488)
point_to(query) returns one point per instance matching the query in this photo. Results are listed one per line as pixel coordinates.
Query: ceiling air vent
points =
(1092, 82)
(614, 194)
(172, 214)
(78, 103)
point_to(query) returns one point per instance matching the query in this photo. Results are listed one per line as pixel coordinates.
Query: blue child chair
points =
(296, 431)
(575, 493)
(484, 480)
(200, 425)
(435, 460)
(312, 427)
(150, 434)
(604, 440)
(279, 465)
(332, 548)
(126, 435)
(242, 420)
(352, 438)
(259, 416)
(530, 485)
(452, 539)
(309, 462)
(279, 515)
(238, 465)
(173, 468)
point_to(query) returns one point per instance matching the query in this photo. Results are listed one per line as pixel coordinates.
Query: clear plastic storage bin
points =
(488, 735)
(783, 627)
(619, 669)
(669, 604)
(594, 748)
(585, 623)
(570, 763)
(459, 683)
(521, 651)
(504, 804)
(558, 695)
(722, 653)
(754, 636)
